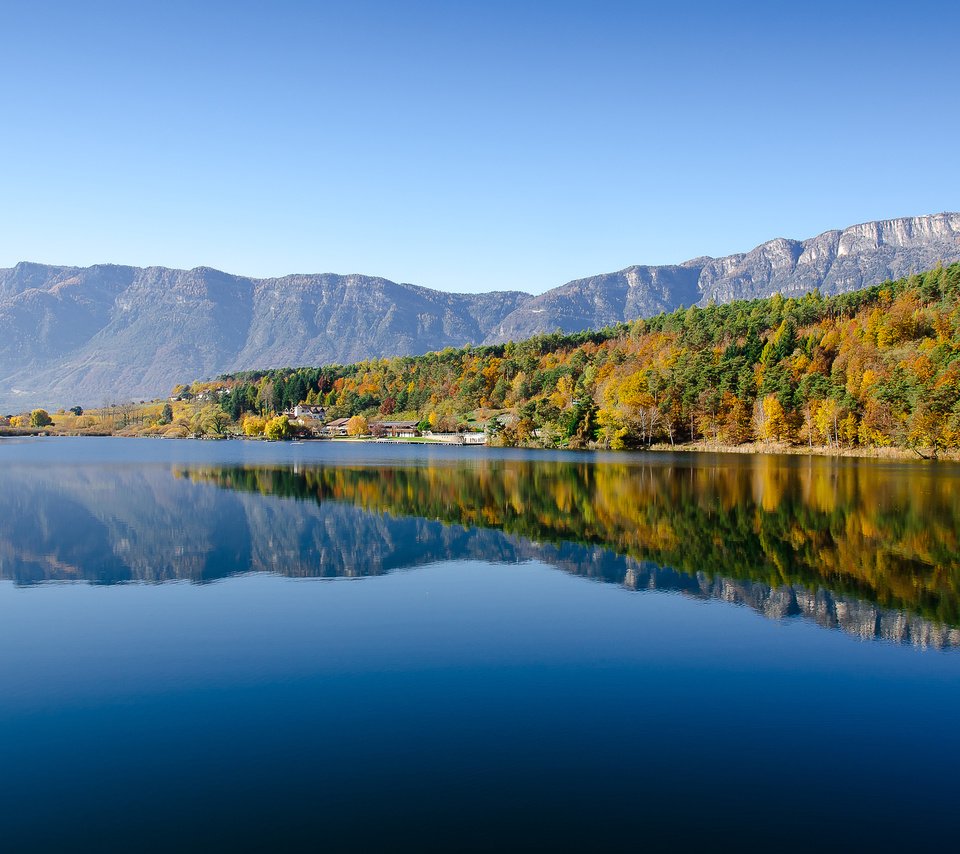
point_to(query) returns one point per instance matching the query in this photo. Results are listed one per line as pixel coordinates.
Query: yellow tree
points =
(928, 428)
(562, 397)
(849, 429)
(825, 420)
(277, 428)
(357, 426)
(612, 429)
(637, 405)
(771, 419)
(253, 425)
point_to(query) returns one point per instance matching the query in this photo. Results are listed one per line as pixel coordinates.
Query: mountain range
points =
(72, 335)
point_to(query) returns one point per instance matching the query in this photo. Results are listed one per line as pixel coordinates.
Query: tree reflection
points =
(847, 526)
(870, 548)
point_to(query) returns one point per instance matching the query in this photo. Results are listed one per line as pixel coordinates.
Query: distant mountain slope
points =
(71, 335)
(603, 300)
(834, 262)
(84, 335)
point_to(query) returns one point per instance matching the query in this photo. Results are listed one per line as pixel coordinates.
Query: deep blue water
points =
(189, 662)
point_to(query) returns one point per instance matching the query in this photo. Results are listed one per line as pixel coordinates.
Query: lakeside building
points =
(394, 429)
(337, 427)
(303, 412)
(459, 438)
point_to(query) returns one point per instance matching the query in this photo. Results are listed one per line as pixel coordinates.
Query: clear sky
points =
(465, 146)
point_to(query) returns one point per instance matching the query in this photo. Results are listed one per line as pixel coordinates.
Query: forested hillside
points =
(84, 336)
(875, 367)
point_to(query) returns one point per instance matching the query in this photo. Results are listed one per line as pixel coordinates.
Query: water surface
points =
(251, 645)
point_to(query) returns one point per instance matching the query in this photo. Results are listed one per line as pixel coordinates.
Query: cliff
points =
(835, 262)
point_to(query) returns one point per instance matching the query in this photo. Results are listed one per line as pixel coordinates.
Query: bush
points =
(40, 418)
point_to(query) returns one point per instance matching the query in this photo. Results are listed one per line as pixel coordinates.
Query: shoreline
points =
(749, 448)
(760, 448)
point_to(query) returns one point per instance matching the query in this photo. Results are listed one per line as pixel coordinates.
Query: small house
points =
(395, 429)
(302, 413)
(306, 410)
(337, 427)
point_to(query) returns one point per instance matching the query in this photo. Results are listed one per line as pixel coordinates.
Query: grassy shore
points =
(20, 431)
(142, 421)
(808, 450)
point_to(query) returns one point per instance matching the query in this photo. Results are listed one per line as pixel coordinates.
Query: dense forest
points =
(876, 367)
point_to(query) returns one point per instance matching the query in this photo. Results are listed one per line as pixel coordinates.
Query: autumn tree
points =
(358, 426)
(253, 425)
(40, 418)
(209, 420)
(277, 428)
(770, 419)
(825, 418)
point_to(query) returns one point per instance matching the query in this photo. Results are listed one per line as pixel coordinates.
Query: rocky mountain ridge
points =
(835, 262)
(87, 335)
(72, 335)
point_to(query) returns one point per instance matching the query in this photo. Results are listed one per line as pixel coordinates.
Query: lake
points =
(251, 646)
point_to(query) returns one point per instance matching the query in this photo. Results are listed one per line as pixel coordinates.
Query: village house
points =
(216, 394)
(394, 429)
(304, 412)
(337, 427)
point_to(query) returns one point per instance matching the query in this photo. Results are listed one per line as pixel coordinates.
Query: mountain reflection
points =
(867, 548)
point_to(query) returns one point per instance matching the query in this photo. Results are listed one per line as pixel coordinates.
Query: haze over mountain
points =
(73, 335)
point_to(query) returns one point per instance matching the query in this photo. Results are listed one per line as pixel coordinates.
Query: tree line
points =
(876, 367)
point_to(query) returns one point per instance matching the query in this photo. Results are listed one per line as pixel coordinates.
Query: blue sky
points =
(465, 146)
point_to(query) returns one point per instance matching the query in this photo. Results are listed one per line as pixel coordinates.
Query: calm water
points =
(252, 646)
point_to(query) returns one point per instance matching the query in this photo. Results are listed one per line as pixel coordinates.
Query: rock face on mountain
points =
(834, 262)
(72, 335)
(603, 300)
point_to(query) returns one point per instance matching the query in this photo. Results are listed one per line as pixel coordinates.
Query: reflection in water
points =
(867, 548)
